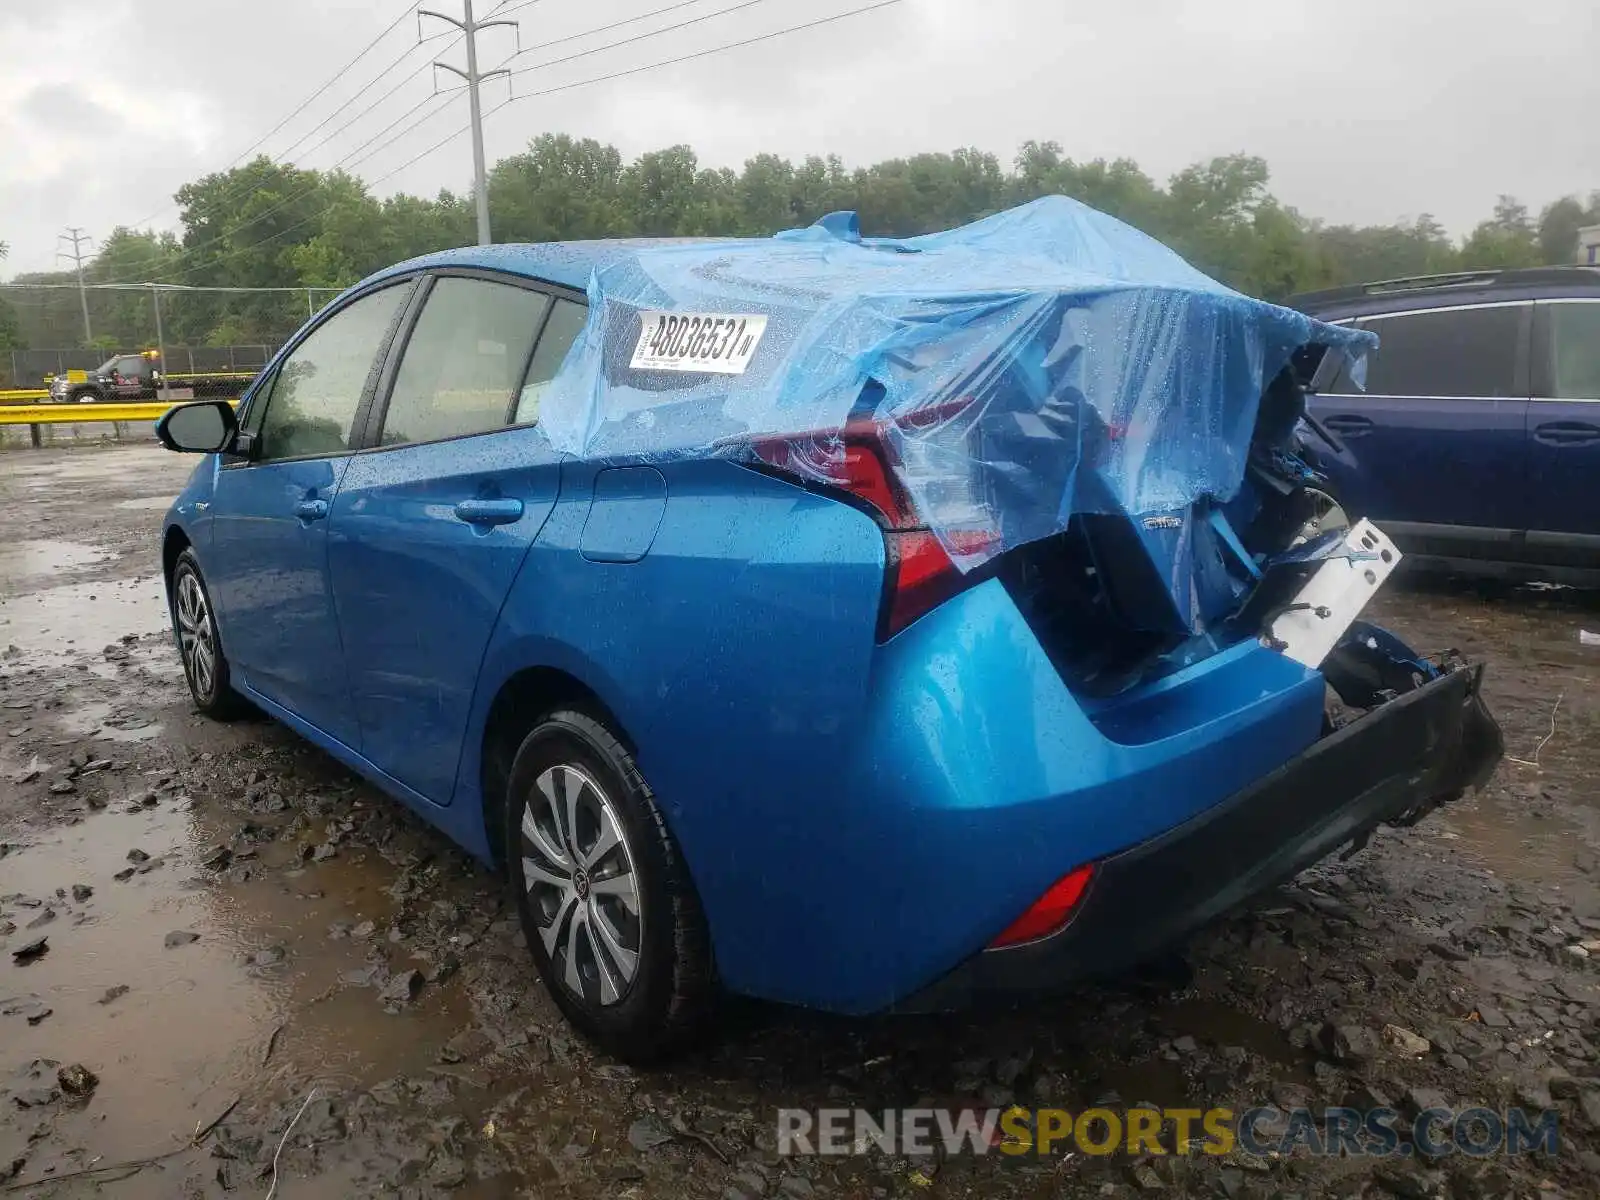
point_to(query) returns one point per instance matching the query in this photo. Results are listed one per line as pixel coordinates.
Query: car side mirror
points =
(205, 427)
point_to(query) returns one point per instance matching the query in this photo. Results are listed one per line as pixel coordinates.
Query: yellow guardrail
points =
(71, 414)
(22, 396)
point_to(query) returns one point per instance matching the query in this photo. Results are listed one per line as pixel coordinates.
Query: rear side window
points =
(1466, 352)
(1574, 342)
(560, 331)
(463, 361)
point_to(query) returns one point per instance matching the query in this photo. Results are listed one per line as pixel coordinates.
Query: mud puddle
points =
(130, 466)
(185, 988)
(84, 616)
(27, 560)
(101, 721)
(1535, 846)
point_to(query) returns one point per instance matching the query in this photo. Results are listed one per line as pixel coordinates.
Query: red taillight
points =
(920, 575)
(1050, 912)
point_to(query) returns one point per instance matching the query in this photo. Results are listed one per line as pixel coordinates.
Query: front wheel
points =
(194, 621)
(609, 911)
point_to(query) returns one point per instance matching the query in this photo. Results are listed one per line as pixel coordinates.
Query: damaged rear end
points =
(1118, 681)
(1166, 712)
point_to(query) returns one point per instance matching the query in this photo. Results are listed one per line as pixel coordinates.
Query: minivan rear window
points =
(1463, 352)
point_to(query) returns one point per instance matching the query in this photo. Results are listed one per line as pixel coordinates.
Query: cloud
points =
(1368, 110)
(64, 109)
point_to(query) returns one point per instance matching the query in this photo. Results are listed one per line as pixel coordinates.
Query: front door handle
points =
(1348, 424)
(311, 510)
(489, 512)
(1566, 433)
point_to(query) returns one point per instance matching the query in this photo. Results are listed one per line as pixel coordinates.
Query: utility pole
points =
(161, 340)
(79, 239)
(470, 27)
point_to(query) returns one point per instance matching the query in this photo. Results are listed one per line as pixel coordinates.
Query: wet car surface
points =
(312, 899)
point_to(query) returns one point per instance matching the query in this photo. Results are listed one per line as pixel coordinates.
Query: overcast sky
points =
(1367, 110)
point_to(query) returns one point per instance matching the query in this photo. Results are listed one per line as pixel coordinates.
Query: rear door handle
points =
(1348, 424)
(489, 512)
(1566, 433)
(311, 510)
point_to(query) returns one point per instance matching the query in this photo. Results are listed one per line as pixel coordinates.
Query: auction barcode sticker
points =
(718, 343)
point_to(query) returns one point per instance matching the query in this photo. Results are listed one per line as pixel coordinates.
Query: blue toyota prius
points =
(856, 623)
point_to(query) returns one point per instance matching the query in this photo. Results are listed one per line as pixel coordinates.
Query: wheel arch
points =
(173, 543)
(522, 700)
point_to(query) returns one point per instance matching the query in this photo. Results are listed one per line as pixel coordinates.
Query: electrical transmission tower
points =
(79, 240)
(470, 28)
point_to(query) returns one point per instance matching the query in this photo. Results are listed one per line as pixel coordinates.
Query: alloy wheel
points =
(582, 886)
(197, 637)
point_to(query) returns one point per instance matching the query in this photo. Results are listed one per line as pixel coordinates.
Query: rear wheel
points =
(194, 621)
(609, 911)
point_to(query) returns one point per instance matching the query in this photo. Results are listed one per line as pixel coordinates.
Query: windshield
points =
(107, 367)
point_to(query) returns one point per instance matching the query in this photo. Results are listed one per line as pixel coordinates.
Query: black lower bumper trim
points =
(1391, 766)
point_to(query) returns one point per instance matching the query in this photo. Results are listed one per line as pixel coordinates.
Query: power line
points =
(682, 58)
(165, 287)
(352, 161)
(638, 37)
(228, 233)
(303, 105)
(337, 75)
(243, 187)
(287, 150)
(349, 161)
(501, 10)
(644, 16)
(765, 37)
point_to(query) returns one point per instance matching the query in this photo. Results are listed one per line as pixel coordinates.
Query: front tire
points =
(194, 622)
(609, 911)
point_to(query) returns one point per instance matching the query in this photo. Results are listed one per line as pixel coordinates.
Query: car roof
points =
(1448, 291)
(568, 264)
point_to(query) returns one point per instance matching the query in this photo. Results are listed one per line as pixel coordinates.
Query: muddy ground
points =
(233, 920)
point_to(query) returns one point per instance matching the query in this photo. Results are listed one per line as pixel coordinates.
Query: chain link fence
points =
(196, 329)
(29, 368)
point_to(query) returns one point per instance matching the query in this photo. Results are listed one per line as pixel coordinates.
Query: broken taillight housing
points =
(855, 463)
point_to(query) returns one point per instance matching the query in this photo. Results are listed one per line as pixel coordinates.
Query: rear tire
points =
(194, 624)
(609, 911)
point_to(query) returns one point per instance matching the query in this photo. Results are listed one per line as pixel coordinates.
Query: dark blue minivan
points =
(1476, 444)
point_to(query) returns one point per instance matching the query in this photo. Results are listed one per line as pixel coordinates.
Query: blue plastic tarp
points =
(1045, 361)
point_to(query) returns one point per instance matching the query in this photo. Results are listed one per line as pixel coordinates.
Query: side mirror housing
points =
(204, 427)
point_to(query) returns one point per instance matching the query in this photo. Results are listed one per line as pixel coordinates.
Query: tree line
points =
(266, 224)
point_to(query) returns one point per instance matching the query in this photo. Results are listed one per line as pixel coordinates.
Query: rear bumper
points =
(1392, 766)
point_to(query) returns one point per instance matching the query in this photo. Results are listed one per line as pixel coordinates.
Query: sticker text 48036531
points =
(719, 343)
